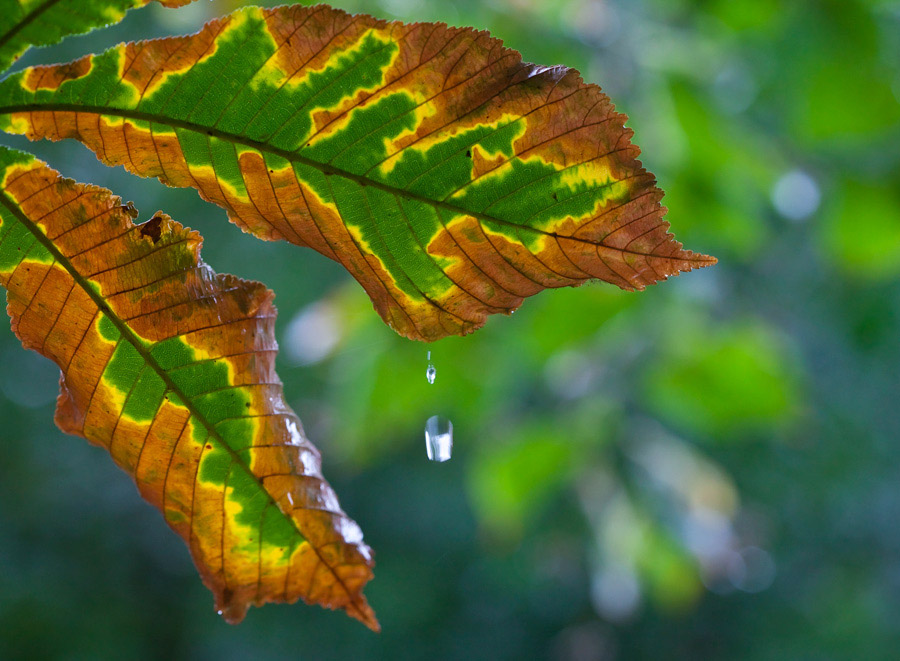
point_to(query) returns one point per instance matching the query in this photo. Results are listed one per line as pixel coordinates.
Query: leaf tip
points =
(360, 610)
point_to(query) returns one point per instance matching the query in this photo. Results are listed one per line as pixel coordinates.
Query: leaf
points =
(27, 23)
(171, 368)
(725, 384)
(450, 178)
(860, 232)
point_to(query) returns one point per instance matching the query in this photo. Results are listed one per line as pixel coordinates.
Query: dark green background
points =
(706, 470)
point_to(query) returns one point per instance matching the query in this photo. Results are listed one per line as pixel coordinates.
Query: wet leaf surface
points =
(171, 368)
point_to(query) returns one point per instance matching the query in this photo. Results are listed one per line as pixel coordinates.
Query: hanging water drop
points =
(431, 371)
(438, 438)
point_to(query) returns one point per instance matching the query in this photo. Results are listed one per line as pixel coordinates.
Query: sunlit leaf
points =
(450, 178)
(862, 231)
(170, 367)
(509, 482)
(726, 384)
(26, 23)
(856, 83)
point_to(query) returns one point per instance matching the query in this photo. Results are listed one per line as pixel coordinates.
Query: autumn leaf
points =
(450, 178)
(27, 23)
(171, 368)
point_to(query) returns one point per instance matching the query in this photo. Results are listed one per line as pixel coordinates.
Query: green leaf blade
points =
(451, 179)
(27, 23)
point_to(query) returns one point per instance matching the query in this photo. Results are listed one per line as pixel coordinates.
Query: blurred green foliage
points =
(708, 469)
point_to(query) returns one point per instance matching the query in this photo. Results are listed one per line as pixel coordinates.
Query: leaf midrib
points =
(327, 170)
(135, 341)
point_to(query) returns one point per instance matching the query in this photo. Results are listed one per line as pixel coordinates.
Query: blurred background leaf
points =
(708, 469)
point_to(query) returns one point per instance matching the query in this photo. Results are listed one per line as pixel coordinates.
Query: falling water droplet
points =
(431, 371)
(219, 612)
(438, 438)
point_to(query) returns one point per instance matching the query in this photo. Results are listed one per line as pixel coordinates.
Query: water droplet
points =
(429, 355)
(294, 431)
(430, 373)
(438, 438)
(218, 612)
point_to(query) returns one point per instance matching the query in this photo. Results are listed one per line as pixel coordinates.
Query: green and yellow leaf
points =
(171, 368)
(26, 23)
(449, 177)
